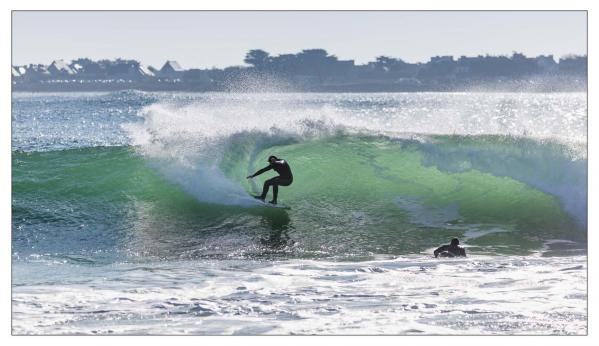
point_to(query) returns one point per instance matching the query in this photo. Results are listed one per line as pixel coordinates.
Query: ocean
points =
(131, 213)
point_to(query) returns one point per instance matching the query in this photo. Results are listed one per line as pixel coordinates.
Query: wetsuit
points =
(285, 178)
(450, 251)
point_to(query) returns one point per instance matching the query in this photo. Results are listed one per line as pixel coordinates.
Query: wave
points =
(364, 183)
(207, 150)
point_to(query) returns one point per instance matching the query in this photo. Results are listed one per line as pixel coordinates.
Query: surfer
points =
(285, 177)
(451, 250)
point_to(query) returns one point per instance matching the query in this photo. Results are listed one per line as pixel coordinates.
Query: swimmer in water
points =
(451, 250)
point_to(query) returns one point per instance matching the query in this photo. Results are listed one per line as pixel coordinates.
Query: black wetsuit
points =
(450, 251)
(285, 178)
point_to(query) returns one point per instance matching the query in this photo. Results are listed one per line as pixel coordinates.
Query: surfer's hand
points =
(249, 177)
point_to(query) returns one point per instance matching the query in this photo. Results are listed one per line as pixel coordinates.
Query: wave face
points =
(159, 175)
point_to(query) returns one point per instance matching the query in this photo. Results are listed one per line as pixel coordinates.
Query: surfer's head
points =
(455, 242)
(272, 158)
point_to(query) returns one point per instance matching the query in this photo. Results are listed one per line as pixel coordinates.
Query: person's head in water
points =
(272, 159)
(455, 242)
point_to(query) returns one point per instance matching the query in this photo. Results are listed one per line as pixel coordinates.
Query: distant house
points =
(77, 68)
(35, 72)
(154, 70)
(138, 72)
(146, 71)
(59, 68)
(15, 73)
(171, 69)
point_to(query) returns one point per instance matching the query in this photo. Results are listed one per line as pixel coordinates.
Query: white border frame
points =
(5, 158)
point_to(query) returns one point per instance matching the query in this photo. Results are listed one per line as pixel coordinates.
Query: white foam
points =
(408, 295)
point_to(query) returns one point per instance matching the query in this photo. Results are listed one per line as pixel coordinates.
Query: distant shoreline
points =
(313, 70)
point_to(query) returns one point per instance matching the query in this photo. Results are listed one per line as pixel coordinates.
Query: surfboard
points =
(277, 206)
(270, 205)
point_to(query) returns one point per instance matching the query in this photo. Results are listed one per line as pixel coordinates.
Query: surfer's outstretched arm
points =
(440, 249)
(269, 167)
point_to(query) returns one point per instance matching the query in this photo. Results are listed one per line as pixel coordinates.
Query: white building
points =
(145, 70)
(171, 69)
(60, 68)
(140, 72)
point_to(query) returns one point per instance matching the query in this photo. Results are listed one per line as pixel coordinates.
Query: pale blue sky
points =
(207, 39)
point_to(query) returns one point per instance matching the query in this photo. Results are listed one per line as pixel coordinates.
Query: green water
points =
(351, 197)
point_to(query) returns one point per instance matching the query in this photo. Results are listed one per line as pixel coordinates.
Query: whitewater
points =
(131, 213)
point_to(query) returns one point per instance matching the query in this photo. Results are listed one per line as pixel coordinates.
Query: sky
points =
(219, 39)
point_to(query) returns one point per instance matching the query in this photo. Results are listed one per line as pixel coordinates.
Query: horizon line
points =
(568, 55)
